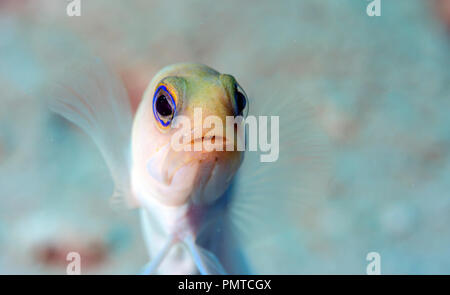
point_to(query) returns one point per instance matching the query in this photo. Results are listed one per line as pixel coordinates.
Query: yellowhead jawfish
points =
(196, 216)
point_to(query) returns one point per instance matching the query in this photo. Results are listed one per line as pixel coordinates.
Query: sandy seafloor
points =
(380, 87)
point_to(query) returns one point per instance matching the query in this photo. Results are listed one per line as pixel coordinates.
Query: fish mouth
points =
(168, 163)
(205, 138)
(210, 143)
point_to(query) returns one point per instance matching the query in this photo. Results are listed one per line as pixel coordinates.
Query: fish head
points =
(187, 135)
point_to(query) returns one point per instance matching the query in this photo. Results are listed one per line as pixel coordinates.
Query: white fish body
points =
(184, 210)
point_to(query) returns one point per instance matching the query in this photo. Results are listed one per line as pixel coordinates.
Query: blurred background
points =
(380, 87)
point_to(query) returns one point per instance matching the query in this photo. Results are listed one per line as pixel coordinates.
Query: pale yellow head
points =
(177, 177)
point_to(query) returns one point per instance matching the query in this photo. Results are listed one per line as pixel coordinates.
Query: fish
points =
(202, 211)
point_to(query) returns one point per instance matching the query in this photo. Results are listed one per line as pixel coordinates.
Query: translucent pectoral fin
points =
(267, 210)
(153, 265)
(207, 263)
(94, 99)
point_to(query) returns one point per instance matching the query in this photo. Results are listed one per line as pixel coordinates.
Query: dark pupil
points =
(240, 101)
(163, 106)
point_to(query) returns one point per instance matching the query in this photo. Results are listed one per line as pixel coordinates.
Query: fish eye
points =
(241, 101)
(164, 107)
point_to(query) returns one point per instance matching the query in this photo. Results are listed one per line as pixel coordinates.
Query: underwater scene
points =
(225, 137)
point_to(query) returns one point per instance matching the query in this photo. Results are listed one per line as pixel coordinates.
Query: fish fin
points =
(269, 201)
(206, 262)
(151, 267)
(94, 99)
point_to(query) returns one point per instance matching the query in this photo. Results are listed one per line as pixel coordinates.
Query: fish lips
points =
(201, 176)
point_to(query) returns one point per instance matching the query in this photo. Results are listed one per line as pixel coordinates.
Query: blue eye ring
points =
(172, 103)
